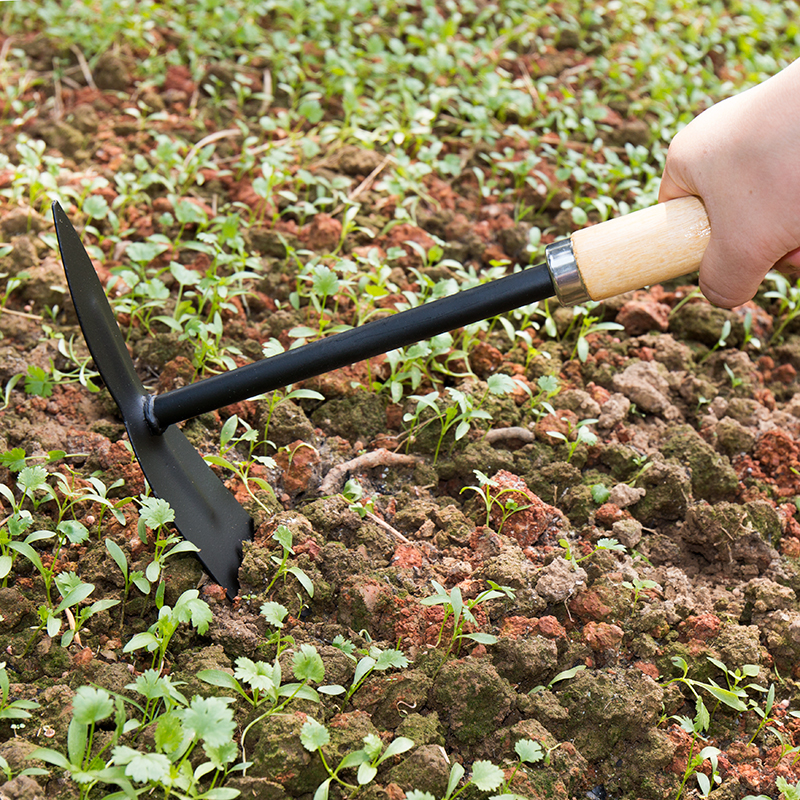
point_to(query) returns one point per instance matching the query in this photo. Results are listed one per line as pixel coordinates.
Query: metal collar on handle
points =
(565, 274)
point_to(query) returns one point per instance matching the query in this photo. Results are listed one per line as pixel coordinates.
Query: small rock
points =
(627, 532)
(613, 411)
(534, 519)
(623, 495)
(559, 580)
(642, 383)
(601, 636)
(643, 316)
(322, 233)
(485, 360)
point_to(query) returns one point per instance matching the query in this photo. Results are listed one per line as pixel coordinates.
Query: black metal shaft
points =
(372, 339)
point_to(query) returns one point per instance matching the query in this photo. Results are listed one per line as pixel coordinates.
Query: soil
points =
(696, 446)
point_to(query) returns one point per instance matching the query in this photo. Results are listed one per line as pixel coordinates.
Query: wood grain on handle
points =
(656, 244)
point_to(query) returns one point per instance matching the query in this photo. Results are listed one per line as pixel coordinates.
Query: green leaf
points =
(456, 774)
(600, 493)
(416, 794)
(363, 668)
(366, 772)
(228, 430)
(400, 745)
(257, 674)
(38, 382)
(51, 757)
(307, 664)
(323, 790)
(31, 479)
(75, 531)
(139, 640)
(6, 562)
(481, 638)
(156, 512)
(90, 705)
(189, 608)
(216, 677)
(501, 384)
(14, 460)
(486, 776)
(314, 735)
(146, 767)
(283, 536)
(115, 551)
(725, 696)
(389, 658)
(75, 596)
(169, 733)
(274, 613)
(305, 581)
(209, 719)
(529, 751)
(95, 206)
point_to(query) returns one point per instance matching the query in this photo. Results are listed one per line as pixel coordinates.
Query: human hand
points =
(742, 158)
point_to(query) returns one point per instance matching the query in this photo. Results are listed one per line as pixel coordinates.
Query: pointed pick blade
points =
(206, 513)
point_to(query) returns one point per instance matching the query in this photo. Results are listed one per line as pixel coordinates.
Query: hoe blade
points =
(206, 513)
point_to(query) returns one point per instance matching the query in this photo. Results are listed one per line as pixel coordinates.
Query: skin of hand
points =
(741, 157)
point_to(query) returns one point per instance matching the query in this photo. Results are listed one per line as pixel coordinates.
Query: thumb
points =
(729, 276)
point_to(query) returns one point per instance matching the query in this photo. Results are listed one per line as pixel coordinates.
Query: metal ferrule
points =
(565, 274)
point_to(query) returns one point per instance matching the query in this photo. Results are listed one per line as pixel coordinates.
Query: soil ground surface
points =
(572, 529)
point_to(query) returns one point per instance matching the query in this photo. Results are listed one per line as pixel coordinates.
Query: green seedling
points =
(372, 660)
(507, 507)
(131, 577)
(721, 342)
(549, 387)
(353, 492)
(601, 544)
(788, 296)
(590, 325)
(461, 612)
(283, 536)
(637, 586)
(154, 515)
(460, 412)
(160, 694)
(582, 435)
(241, 468)
(188, 610)
(562, 676)
(275, 399)
(488, 777)
(88, 768)
(314, 736)
(307, 668)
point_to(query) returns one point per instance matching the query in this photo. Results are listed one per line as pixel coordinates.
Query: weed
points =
(507, 507)
(283, 536)
(373, 659)
(314, 736)
(582, 435)
(562, 676)
(189, 609)
(637, 586)
(601, 544)
(461, 612)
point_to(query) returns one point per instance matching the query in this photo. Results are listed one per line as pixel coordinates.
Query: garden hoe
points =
(626, 253)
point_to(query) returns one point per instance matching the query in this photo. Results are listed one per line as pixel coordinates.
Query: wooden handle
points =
(656, 244)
